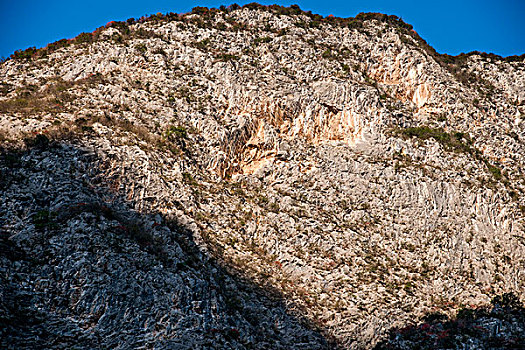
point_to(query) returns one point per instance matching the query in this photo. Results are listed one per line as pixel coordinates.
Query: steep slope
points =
(340, 166)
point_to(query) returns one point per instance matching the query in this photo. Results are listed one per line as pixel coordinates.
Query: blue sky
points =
(451, 27)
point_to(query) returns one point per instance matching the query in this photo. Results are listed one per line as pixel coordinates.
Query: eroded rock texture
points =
(256, 178)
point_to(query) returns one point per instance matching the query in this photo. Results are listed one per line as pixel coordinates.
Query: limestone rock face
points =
(255, 178)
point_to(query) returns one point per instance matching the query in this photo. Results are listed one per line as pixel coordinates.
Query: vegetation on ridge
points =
(207, 13)
(455, 142)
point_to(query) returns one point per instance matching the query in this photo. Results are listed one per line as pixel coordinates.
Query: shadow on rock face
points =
(80, 268)
(501, 326)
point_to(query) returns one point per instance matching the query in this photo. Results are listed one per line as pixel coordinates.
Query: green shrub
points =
(186, 94)
(43, 219)
(315, 24)
(254, 6)
(123, 27)
(355, 24)
(202, 45)
(199, 10)
(495, 171)
(175, 133)
(142, 33)
(274, 207)
(159, 51)
(84, 38)
(227, 57)
(187, 178)
(327, 54)
(456, 142)
(57, 45)
(141, 48)
(24, 54)
(262, 200)
(507, 300)
(301, 24)
(262, 40)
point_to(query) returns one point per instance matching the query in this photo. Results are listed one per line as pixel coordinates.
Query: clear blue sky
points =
(451, 27)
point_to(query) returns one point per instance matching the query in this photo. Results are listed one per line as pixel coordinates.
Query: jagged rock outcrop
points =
(255, 178)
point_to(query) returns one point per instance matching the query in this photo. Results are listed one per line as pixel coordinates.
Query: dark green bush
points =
(43, 219)
(327, 54)
(227, 57)
(507, 300)
(495, 171)
(202, 45)
(84, 38)
(355, 24)
(174, 133)
(315, 24)
(455, 142)
(122, 26)
(262, 40)
(254, 6)
(187, 178)
(24, 54)
(199, 10)
(57, 45)
(141, 47)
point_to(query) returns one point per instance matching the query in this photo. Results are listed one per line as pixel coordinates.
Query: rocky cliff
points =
(259, 177)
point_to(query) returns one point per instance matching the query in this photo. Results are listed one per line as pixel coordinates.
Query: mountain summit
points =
(261, 178)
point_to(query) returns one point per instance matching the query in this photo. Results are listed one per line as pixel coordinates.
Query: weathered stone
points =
(233, 185)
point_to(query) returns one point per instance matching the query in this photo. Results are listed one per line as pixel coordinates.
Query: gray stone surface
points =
(207, 187)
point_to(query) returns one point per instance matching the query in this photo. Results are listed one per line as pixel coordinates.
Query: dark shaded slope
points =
(80, 268)
(501, 326)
